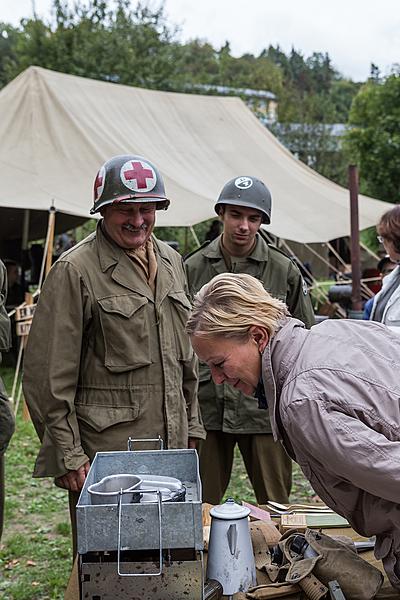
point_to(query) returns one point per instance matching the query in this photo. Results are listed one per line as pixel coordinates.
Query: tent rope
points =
(315, 284)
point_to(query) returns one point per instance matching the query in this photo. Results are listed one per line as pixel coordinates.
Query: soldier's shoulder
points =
(79, 250)
(196, 255)
(278, 255)
(281, 259)
(170, 254)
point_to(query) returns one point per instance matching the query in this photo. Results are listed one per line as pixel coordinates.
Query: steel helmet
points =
(249, 192)
(128, 178)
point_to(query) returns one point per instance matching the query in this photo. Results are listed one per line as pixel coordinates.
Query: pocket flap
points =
(101, 417)
(181, 298)
(125, 305)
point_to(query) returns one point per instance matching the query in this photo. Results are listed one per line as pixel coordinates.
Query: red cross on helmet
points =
(128, 178)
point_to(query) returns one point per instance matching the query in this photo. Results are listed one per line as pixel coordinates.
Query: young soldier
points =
(229, 416)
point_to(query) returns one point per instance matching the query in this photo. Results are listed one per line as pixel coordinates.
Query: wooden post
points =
(355, 240)
(50, 240)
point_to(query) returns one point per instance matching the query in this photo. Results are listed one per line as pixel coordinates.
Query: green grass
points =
(240, 487)
(35, 554)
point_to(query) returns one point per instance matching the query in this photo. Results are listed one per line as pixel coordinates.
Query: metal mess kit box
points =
(130, 550)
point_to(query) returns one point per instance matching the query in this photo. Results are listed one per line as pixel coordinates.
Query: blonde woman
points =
(332, 393)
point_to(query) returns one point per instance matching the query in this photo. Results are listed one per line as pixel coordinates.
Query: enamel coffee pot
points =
(230, 551)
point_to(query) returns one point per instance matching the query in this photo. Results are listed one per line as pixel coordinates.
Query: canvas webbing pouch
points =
(334, 559)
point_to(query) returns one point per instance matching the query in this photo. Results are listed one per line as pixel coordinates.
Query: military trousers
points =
(268, 466)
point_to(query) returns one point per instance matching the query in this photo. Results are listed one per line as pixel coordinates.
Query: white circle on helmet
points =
(138, 176)
(243, 183)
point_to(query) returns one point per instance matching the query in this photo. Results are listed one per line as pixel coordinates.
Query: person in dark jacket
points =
(7, 423)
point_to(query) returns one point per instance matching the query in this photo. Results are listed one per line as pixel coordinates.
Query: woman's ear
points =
(260, 336)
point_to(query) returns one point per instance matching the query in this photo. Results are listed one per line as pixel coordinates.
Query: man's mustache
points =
(142, 227)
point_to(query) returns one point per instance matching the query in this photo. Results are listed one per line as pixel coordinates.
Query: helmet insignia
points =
(138, 176)
(243, 183)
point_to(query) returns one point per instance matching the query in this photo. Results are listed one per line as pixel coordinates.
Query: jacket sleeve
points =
(7, 421)
(5, 325)
(52, 362)
(190, 385)
(298, 297)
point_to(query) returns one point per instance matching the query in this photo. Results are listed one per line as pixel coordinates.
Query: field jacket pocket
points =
(101, 409)
(126, 332)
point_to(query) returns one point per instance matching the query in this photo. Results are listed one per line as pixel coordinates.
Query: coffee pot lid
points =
(230, 510)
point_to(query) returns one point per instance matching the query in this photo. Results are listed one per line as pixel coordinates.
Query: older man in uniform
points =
(229, 417)
(107, 355)
(6, 414)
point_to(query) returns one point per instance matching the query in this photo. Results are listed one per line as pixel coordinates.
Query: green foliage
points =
(187, 239)
(374, 139)
(8, 40)
(313, 97)
(133, 44)
(92, 40)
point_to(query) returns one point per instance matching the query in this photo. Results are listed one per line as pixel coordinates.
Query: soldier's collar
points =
(110, 253)
(260, 252)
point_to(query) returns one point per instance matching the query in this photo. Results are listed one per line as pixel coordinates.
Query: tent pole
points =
(196, 239)
(355, 240)
(50, 233)
(25, 261)
(25, 229)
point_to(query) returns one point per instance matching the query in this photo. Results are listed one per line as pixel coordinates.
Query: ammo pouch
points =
(326, 559)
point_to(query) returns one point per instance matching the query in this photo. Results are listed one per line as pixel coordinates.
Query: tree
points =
(374, 138)
(197, 64)
(133, 47)
(8, 37)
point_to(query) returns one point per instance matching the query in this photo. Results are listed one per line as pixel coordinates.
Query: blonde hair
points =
(230, 304)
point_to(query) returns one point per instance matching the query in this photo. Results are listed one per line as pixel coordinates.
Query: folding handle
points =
(159, 502)
(131, 441)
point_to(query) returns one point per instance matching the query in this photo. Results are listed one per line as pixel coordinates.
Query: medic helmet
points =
(128, 178)
(249, 192)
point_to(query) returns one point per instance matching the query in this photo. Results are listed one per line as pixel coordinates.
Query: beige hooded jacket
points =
(334, 401)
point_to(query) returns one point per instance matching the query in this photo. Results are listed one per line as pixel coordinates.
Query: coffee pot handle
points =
(232, 538)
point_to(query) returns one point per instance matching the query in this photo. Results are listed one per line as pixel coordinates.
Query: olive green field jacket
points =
(106, 359)
(7, 423)
(222, 407)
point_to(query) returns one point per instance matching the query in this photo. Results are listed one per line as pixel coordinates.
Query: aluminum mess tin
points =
(181, 522)
(106, 491)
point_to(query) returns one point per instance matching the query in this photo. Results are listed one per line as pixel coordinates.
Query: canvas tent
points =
(57, 129)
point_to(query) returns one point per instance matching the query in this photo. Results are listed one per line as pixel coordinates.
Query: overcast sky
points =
(353, 32)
